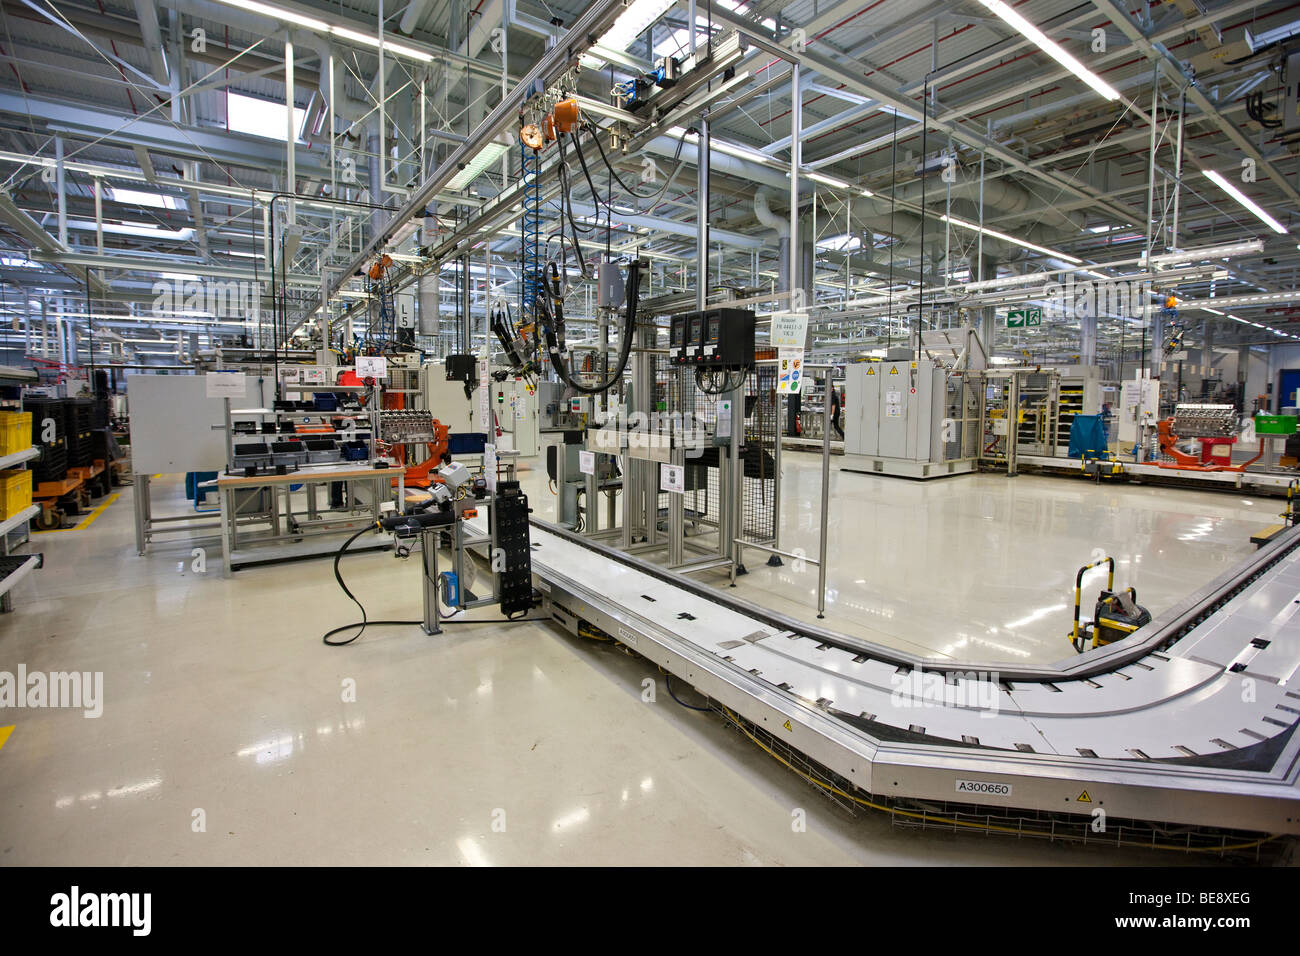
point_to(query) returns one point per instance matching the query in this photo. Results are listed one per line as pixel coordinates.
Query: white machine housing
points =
(895, 410)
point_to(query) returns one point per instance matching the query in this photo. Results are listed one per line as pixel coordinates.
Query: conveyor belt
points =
(1191, 721)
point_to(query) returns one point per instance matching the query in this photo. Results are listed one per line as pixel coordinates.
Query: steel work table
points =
(295, 543)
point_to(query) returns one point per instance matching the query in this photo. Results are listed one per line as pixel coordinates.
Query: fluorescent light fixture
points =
(136, 197)
(740, 152)
(320, 26)
(258, 117)
(278, 13)
(142, 229)
(1051, 48)
(1217, 178)
(484, 158)
(371, 40)
(631, 23)
(963, 224)
(827, 180)
(1206, 308)
(1225, 251)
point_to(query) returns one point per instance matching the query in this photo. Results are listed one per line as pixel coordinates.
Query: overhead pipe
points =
(770, 220)
(411, 16)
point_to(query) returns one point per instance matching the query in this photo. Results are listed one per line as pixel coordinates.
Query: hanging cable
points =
(555, 338)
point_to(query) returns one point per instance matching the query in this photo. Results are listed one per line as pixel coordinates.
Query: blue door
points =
(1289, 381)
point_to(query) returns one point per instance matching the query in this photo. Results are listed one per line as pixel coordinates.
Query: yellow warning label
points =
(871, 371)
(787, 726)
(913, 365)
(893, 370)
(1084, 798)
(5, 732)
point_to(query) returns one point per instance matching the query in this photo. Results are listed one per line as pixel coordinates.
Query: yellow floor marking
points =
(88, 520)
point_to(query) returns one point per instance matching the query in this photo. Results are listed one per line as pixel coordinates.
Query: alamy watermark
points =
(71, 689)
(222, 298)
(972, 690)
(1091, 298)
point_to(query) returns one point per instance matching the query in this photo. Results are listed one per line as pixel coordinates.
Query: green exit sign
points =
(1022, 318)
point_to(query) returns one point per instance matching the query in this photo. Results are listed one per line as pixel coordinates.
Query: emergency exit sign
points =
(1022, 318)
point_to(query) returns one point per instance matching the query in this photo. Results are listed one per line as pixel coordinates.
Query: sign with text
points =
(372, 366)
(789, 329)
(225, 384)
(587, 462)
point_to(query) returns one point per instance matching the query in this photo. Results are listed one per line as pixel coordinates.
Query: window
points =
(258, 117)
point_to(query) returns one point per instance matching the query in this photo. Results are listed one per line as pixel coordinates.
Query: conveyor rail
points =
(1192, 721)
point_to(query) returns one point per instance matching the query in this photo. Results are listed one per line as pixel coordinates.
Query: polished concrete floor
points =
(230, 735)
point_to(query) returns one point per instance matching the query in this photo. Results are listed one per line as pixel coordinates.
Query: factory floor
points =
(231, 735)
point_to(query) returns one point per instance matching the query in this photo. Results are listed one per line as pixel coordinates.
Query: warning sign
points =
(1084, 798)
(893, 370)
(871, 371)
(789, 378)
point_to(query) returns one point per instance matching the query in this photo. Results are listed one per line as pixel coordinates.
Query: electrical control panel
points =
(715, 338)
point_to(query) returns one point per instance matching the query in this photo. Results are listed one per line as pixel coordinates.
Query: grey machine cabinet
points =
(895, 410)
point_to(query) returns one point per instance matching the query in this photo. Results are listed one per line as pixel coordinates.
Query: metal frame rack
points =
(15, 530)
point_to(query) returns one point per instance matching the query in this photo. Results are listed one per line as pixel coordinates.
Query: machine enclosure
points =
(712, 339)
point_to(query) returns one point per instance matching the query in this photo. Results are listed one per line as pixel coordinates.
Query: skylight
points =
(679, 41)
(258, 117)
(143, 229)
(844, 243)
(135, 197)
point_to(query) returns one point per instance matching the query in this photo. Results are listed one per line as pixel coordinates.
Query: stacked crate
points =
(53, 463)
(79, 422)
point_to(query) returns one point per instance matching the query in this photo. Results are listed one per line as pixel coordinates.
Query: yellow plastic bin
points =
(15, 491)
(15, 432)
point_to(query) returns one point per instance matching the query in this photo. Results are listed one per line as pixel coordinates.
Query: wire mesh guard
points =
(675, 393)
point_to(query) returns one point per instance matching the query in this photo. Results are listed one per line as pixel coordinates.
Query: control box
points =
(715, 338)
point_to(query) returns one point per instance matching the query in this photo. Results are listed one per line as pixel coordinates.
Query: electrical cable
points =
(365, 620)
(654, 197)
(668, 683)
(729, 383)
(556, 345)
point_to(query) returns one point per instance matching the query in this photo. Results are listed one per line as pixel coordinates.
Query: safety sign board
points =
(789, 363)
(1023, 318)
(672, 478)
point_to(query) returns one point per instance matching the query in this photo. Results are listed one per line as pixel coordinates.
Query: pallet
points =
(85, 473)
(53, 490)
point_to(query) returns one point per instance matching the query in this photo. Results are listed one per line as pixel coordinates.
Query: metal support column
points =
(429, 579)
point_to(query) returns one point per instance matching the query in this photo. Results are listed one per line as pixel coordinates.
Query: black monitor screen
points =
(675, 333)
(697, 331)
(715, 327)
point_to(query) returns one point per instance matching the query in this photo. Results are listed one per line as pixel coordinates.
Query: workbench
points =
(292, 538)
